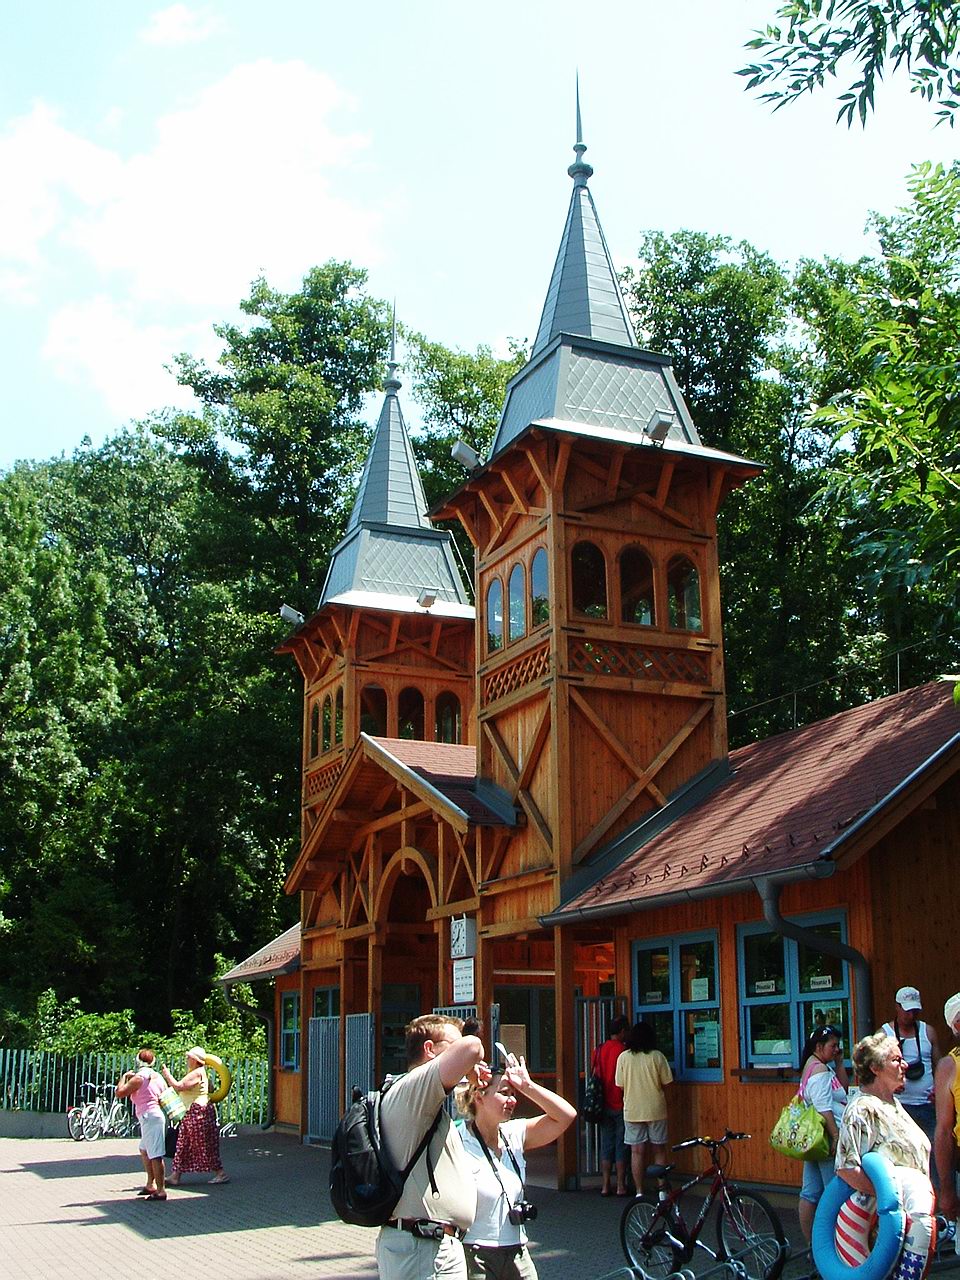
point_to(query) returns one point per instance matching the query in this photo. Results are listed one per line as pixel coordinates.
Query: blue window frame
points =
(676, 988)
(290, 1030)
(787, 989)
(326, 1002)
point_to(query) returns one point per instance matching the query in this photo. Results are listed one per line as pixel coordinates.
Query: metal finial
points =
(391, 382)
(579, 171)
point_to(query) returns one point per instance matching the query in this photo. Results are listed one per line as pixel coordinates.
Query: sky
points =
(155, 159)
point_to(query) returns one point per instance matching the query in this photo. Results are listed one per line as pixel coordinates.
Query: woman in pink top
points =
(144, 1087)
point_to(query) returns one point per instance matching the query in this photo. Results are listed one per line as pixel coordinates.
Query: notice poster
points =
(706, 1044)
(463, 985)
(699, 988)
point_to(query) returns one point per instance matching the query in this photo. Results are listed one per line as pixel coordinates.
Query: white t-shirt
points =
(824, 1091)
(492, 1225)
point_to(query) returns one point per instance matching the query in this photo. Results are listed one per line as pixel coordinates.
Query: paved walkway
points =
(69, 1210)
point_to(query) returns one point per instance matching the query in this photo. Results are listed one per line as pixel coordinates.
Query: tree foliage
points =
(813, 39)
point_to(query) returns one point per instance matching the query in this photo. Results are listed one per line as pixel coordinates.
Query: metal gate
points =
(360, 1049)
(491, 1032)
(323, 1086)
(592, 1015)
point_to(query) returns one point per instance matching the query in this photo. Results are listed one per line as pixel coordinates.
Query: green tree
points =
(813, 39)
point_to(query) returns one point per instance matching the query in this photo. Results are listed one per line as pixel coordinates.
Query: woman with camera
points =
(496, 1244)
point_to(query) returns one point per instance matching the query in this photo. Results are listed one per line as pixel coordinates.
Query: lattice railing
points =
(515, 675)
(317, 784)
(639, 661)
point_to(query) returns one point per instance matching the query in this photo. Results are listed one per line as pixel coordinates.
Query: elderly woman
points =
(823, 1085)
(496, 1244)
(198, 1139)
(876, 1121)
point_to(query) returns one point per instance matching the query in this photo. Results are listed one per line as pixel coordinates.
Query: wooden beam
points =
(506, 928)
(463, 907)
(470, 528)
(604, 732)
(613, 472)
(538, 469)
(522, 880)
(536, 817)
(663, 484)
(356, 931)
(560, 467)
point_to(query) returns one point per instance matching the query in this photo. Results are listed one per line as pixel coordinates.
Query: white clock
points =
(463, 937)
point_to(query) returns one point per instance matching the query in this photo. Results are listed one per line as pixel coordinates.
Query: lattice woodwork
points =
(515, 675)
(318, 782)
(639, 661)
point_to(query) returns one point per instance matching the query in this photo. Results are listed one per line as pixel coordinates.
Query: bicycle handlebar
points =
(710, 1143)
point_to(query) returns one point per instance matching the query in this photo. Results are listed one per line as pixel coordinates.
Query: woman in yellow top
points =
(198, 1139)
(642, 1072)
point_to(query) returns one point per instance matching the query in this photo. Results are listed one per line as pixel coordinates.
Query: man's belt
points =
(426, 1229)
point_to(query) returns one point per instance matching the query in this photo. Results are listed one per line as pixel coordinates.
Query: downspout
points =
(267, 1020)
(769, 892)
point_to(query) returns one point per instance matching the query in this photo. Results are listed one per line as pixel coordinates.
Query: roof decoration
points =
(390, 548)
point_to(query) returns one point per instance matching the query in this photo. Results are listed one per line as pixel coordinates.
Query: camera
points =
(522, 1211)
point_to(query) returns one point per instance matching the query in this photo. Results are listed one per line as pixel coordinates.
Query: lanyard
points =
(493, 1164)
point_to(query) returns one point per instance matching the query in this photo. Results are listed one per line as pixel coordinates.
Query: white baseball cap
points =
(951, 1010)
(909, 998)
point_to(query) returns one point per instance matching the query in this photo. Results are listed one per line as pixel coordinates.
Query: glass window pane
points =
(698, 974)
(589, 580)
(768, 1031)
(539, 590)
(494, 616)
(327, 723)
(763, 956)
(338, 718)
(517, 603)
(662, 1024)
(817, 971)
(823, 1013)
(636, 587)
(315, 730)
(653, 975)
(683, 595)
(701, 1039)
(448, 717)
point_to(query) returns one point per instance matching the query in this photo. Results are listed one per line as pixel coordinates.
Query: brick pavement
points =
(69, 1210)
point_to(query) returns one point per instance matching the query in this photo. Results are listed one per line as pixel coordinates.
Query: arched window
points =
(338, 717)
(539, 590)
(448, 717)
(314, 730)
(410, 714)
(494, 616)
(516, 604)
(636, 587)
(589, 580)
(373, 711)
(327, 723)
(683, 595)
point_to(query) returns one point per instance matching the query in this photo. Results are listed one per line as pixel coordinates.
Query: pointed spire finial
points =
(579, 171)
(391, 382)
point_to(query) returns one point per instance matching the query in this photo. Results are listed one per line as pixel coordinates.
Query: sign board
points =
(463, 982)
(699, 988)
(821, 982)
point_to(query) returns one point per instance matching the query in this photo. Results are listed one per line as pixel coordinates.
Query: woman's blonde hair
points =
(466, 1094)
(870, 1054)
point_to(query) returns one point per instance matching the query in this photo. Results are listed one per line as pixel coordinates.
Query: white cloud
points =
(179, 25)
(104, 344)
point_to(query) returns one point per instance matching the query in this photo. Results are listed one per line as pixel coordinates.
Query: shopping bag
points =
(800, 1132)
(592, 1109)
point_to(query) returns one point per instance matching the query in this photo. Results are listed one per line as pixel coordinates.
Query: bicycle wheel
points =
(644, 1239)
(750, 1232)
(92, 1122)
(75, 1123)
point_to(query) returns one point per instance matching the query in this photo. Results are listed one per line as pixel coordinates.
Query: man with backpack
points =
(439, 1199)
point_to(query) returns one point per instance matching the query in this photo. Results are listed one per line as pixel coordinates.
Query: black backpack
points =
(365, 1185)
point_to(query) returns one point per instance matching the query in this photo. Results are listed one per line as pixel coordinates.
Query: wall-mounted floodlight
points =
(658, 428)
(467, 457)
(427, 598)
(291, 615)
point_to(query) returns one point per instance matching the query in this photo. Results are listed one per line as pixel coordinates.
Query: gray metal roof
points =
(390, 548)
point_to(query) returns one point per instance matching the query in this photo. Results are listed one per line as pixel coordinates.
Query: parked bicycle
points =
(75, 1113)
(656, 1237)
(107, 1115)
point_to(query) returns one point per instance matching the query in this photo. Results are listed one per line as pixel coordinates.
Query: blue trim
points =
(676, 1008)
(290, 1036)
(891, 1225)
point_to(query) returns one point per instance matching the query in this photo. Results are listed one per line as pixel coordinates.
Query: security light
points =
(291, 615)
(427, 597)
(467, 457)
(659, 425)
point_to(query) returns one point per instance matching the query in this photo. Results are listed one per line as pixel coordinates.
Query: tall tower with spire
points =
(600, 694)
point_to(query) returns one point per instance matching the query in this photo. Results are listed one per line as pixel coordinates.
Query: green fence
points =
(31, 1080)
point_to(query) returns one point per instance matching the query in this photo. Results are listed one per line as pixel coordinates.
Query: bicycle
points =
(104, 1116)
(657, 1239)
(75, 1113)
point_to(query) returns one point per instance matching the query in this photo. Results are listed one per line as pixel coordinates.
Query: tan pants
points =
(403, 1256)
(499, 1262)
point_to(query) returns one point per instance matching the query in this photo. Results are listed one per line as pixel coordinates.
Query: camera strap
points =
(901, 1039)
(494, 1163)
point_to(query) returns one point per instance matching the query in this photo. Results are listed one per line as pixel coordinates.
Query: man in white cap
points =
(921, 1053)
(947, 1136)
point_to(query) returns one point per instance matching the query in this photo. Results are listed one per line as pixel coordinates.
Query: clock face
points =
(458, 936)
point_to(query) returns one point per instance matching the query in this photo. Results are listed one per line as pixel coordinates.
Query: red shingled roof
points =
(282, 955)
(788, 802)
(450, 768)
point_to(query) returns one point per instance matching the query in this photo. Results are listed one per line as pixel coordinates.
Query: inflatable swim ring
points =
(891, 1225)
(223, 1073)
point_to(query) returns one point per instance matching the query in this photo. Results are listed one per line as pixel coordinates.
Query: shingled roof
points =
(791, 802)
(282, 955)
